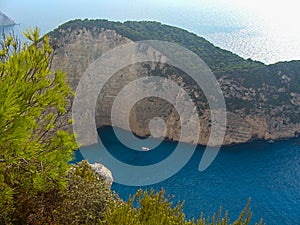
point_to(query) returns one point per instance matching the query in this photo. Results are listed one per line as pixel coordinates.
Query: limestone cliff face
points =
(76, 49)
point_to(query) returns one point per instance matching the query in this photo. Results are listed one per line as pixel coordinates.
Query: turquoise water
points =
(269, 173)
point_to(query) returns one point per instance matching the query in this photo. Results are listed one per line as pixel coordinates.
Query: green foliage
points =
(154, 208)
(291, 69)
(220, 61)
(34, 148)
(84, 201)
(86, 198)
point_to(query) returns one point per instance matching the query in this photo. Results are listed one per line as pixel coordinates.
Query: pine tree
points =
(34, 148)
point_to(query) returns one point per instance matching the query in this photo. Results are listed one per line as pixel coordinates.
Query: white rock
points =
(103, 173)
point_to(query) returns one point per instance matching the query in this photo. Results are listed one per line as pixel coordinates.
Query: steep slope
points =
(262, 101)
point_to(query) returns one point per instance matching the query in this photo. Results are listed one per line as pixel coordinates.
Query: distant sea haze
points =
(230, 30)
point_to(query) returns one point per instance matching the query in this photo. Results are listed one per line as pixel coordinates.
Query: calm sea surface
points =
(269, 173)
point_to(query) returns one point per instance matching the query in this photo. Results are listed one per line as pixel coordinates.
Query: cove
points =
(268, 173)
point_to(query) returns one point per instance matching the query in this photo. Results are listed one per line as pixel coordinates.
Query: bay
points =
(268, 173)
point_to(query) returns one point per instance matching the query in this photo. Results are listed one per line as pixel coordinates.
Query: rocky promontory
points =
(262, 101)
(5, 20)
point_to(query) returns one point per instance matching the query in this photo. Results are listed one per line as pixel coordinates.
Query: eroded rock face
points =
(75, 50)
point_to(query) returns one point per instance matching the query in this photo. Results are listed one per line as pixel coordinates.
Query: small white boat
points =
(145, 148)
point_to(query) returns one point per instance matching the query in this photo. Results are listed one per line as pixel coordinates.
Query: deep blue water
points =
(269, 173)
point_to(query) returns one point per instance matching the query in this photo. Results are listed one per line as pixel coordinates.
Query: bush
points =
(84, 201)
(154, 208)
(86, 198)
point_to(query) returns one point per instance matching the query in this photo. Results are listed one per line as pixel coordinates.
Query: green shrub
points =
(84, 201)
(154, 208)
(86, 198)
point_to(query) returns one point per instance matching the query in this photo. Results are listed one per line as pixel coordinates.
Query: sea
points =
(268, 173)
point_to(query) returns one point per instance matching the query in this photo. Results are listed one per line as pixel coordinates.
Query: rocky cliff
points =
(262, 101)
(5, 20)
